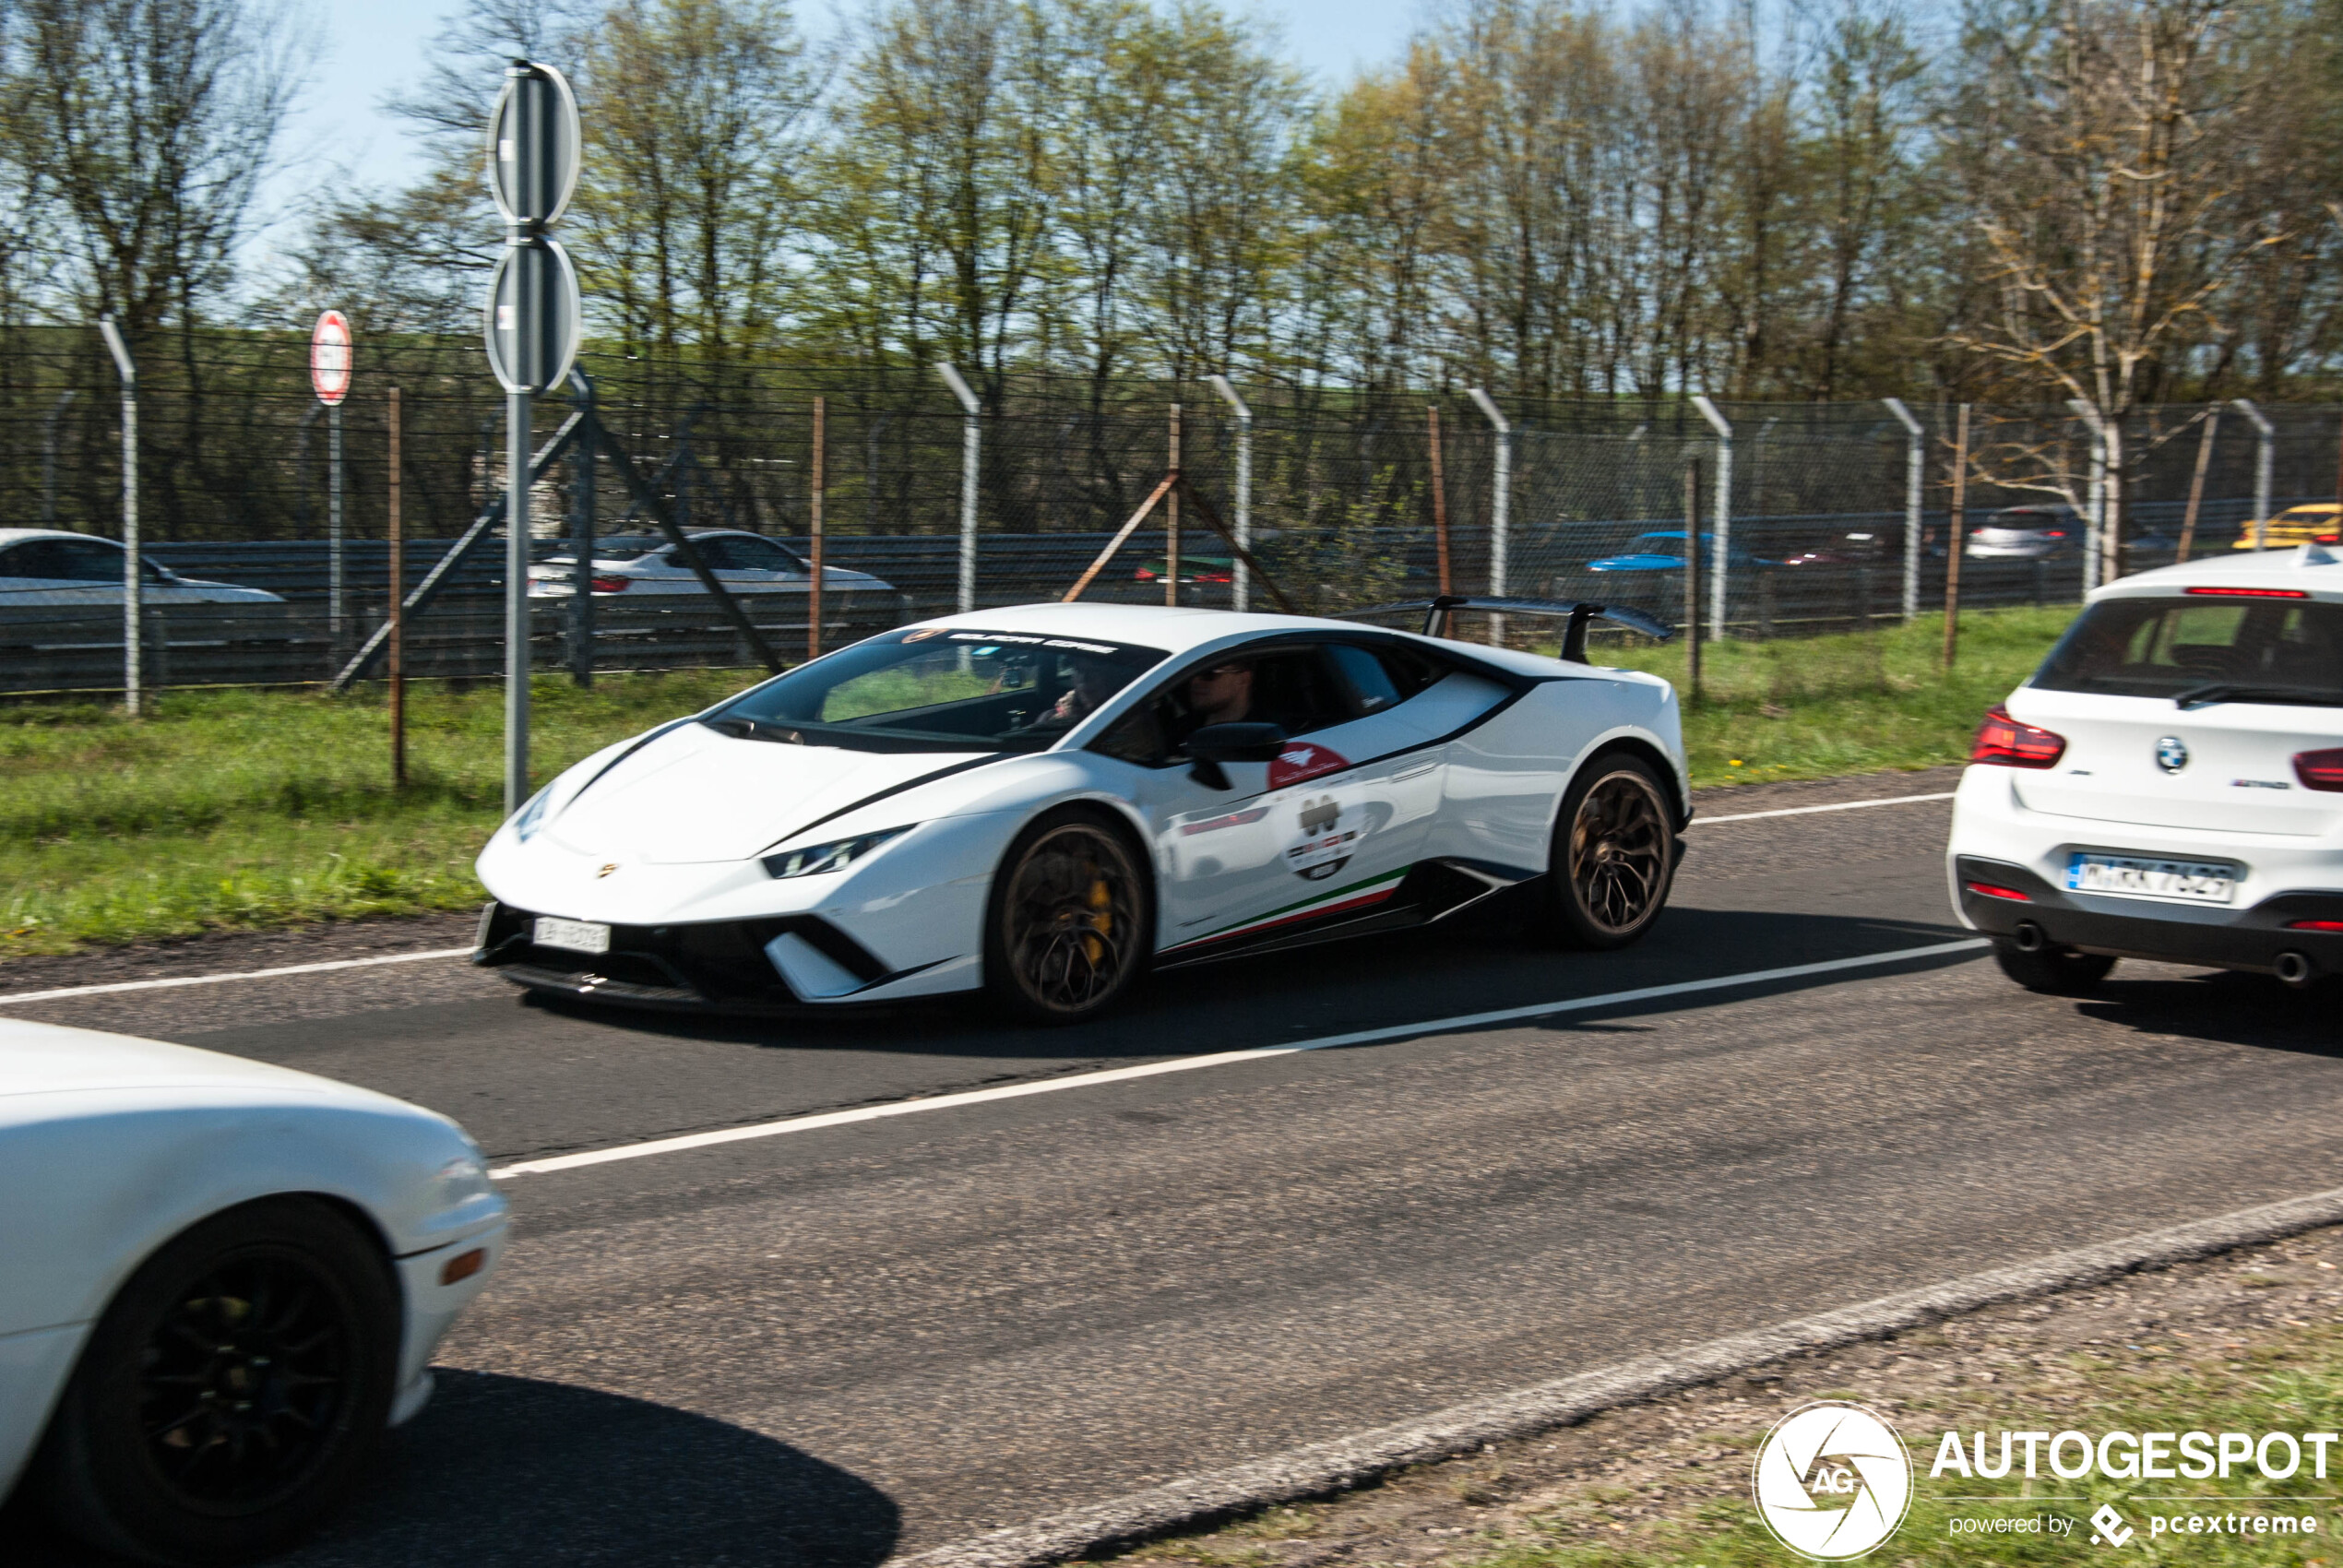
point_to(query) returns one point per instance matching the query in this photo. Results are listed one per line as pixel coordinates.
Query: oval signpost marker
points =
(534, 319)
(330, 359)
(532, 323)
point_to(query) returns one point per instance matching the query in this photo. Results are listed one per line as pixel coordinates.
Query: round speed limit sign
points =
(330, 358)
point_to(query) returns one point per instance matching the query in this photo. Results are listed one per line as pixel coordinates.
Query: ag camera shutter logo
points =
(1833, 1480)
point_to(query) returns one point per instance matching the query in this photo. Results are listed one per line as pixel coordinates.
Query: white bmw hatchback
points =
(2169, 785)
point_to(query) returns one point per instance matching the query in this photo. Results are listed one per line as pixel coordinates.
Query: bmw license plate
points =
(2195, 881)
(578, 936)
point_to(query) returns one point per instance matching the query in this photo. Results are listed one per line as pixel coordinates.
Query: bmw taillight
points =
(2010, 744)
(1992, 891)
(2320, 770)
(613, 585)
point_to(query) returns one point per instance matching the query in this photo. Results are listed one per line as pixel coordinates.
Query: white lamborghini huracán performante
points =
(1043, 802)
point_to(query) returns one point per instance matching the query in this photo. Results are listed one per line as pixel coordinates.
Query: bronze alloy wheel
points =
(1619, 854)
(1069, 934)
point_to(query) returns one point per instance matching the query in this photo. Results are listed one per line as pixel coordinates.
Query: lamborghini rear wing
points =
(1438, 610)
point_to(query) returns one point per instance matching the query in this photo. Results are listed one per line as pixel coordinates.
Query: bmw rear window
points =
(2208, 647)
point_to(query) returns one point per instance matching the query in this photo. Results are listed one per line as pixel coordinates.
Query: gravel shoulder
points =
(1634, 1480)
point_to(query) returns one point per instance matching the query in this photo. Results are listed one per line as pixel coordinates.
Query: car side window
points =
(1293, 688)
(762, 554)
(718, 552)
(90, 563)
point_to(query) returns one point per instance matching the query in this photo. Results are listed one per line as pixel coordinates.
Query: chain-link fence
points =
(1808, 513)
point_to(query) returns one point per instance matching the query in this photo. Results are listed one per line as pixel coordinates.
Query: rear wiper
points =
(2229, 691)
(755, 729)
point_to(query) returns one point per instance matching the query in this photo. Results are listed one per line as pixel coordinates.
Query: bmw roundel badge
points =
(2171, 754)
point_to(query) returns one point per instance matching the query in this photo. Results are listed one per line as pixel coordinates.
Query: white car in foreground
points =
(1045, 801)
(219, 1282)
(2170, 784)
(49, 566)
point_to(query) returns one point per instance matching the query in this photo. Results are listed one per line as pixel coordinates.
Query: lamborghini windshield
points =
(938, 688)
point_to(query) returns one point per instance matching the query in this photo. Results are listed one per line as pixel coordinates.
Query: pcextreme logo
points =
(1832, 1481)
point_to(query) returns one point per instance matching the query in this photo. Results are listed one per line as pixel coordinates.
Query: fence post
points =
(335, 580)
(132, 595)
(1439, 494)
(1500, 505)
(970, 436)
(1171, 523)
(1243, 576)
(1915, 458)
(1956, 535)
(48, 457)
(2196, 483)
(818, 482)
(583, 460)
(1721, 530)
(2263, 458)
(1691, 580)
(398, 665)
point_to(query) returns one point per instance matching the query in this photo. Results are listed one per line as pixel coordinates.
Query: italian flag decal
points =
(1357, 896)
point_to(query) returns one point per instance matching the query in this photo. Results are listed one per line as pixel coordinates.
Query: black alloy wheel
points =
(234, 1392)
(1069, 928)
(1614, 854)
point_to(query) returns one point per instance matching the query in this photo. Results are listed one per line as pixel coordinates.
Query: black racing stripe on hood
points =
(896, 790)
(646, 740)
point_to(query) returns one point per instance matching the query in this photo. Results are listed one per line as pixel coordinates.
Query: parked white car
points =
(1046, 801)
(222, 1280)
(2169, 784)
(51, 566)
(649, 564)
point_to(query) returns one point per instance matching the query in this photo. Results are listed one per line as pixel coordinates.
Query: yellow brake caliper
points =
(1101, 921)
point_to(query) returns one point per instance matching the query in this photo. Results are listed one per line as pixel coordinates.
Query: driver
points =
(1221, 695)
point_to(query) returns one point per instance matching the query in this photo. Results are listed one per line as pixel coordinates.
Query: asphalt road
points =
(851, 1343)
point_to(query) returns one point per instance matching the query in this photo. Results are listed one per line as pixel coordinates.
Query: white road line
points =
(1217, 1059)
(1806, 811)
(63, 991)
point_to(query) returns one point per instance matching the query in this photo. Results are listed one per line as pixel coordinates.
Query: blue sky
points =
(367, 48)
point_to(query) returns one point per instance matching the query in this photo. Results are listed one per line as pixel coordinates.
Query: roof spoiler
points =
(1439, 609)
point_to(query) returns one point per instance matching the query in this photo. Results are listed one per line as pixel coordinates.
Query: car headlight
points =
(460, 1180)
(836, 855)
(531, 816)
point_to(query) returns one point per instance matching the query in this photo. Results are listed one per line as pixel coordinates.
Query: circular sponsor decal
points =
(2171, 754)
(1832, 1481)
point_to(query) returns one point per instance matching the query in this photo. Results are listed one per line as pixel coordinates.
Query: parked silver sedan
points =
(649, 564)
(51, 566)
(2026, 533)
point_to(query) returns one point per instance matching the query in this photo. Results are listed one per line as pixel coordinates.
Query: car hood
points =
(694, 795)
(52, 1059)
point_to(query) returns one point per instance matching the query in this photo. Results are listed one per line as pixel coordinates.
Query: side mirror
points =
(1218, 743)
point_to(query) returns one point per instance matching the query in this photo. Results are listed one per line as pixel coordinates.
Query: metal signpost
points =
(330, 365)
(534, 322)
(131, 606)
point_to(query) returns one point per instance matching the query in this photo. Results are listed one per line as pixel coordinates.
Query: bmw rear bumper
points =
(2134, 928)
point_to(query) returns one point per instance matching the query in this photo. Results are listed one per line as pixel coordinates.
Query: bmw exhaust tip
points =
(2295, 970)
(2030, 939)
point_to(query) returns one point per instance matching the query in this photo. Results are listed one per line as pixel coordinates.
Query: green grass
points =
(2294, 1384)
(257, 809)
(1856, 703)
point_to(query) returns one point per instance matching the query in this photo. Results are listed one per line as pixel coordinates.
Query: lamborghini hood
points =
(694, 795)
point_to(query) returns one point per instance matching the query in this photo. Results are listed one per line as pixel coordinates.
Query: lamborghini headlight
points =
(836, 855)
(531, 817)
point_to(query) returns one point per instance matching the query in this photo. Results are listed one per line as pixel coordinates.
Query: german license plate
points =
(578, 936)
(2136, 876)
